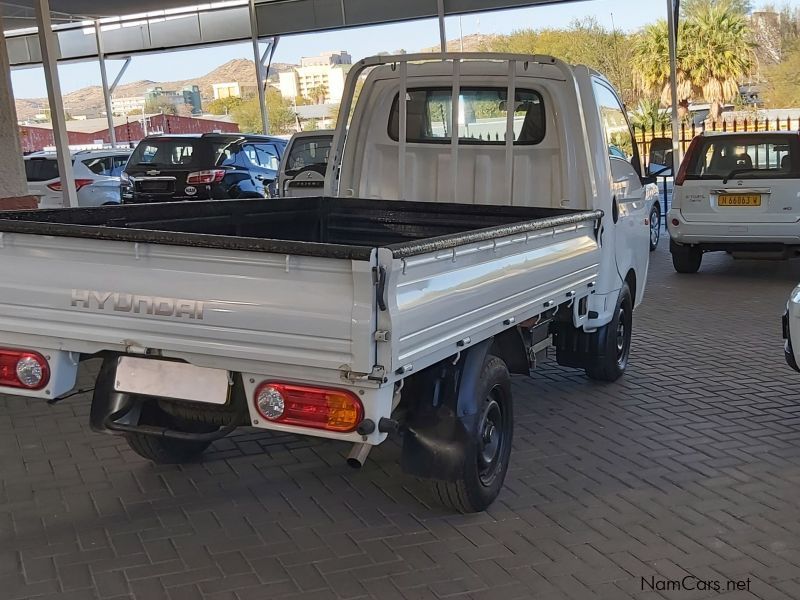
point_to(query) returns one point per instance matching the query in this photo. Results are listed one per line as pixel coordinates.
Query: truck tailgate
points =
(88, 295)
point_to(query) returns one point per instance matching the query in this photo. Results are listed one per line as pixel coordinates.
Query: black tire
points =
(166, 451)
(485, 461)
(686, 259)
(614, 341)
(212, 414)
(655, 226)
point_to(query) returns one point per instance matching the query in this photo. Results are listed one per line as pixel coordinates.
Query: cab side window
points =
(619, 139)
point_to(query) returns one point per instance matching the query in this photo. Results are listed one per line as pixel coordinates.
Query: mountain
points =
(474, 42)
(89, 100)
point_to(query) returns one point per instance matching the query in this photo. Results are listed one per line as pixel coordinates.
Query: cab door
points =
(630, 212)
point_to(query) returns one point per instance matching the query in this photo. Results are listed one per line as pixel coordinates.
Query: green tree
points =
(648, 115)
(160, 105)
(782, 88)
(692, 7)
(223, 106)
(585, 42)
(318, 93)
(281, 116)
(714, 54)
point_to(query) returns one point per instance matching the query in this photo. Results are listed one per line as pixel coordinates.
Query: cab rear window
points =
(481, 117)
(746, 156)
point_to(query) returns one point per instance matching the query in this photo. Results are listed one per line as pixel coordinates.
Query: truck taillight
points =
(305, 406)
(23, 369)
(688, 158)
(208, 176)
(79, 183)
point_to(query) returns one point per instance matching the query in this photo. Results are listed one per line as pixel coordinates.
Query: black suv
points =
(212, 166)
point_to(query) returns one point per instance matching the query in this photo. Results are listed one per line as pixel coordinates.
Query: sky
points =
(625, 15)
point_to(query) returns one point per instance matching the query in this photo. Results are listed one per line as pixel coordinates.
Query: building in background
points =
(319, 79)
(187, 100)
(129, 130)
(234, 89)
(127, 105)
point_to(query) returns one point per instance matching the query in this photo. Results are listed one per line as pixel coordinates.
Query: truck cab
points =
(563, 142)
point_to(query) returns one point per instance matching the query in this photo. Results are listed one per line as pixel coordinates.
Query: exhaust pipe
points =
(358, 455)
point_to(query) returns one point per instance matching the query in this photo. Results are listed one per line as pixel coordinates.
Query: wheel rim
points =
(655, 227)
(491, 437)
(622, 337)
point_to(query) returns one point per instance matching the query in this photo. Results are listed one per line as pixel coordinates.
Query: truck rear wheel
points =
(485, 460)
(614, 341)
(686, 259)
(162, 450)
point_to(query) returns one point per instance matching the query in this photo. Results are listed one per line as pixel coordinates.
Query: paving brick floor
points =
(690, 465)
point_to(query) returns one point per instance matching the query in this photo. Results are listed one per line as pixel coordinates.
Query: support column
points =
(260, 76)
(49, 46)
(672, 26)
(13, 182)
(101, 57)
(442, 30)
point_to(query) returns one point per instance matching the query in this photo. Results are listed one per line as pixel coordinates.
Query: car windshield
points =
(751, 156)
(41, 169)
(307, 152)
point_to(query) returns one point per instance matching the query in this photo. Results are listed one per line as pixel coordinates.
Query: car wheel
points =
(484, 462)
(614, 341)
(655, 226)
(686, 259)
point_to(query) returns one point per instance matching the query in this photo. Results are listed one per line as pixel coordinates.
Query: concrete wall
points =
(12, 171)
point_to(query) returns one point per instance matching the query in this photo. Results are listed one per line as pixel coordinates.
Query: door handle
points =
(614, 210)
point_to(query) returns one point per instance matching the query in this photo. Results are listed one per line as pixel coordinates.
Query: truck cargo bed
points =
(321, 226)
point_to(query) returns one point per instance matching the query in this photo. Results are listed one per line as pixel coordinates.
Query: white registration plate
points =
(169, 379)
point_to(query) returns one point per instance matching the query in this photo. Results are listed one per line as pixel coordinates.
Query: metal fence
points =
(688, 131)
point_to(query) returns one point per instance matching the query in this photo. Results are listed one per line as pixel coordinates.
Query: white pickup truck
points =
(475, 216)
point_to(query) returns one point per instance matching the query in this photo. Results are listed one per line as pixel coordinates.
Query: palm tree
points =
(649, 115)
(721, 55)
(714, 53)
(651, 64)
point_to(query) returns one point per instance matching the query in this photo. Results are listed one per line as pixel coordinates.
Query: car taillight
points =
(23, 369)
(688, 158)
(79, 183)
(208, 176)
(305, 406)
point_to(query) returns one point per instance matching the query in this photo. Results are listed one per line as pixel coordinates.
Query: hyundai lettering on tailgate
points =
(136, 303)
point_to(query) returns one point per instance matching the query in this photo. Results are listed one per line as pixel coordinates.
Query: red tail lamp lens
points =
(23, 369)
(305, 406)
(208, 176)
(675, 222)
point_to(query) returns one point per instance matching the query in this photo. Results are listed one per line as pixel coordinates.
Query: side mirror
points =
(660, 163)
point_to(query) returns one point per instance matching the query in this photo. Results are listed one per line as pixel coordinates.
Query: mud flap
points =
(442, 414)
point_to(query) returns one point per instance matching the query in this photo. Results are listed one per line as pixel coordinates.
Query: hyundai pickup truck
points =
(472, 218)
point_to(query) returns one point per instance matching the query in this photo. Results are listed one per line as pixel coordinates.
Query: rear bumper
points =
(718, 235)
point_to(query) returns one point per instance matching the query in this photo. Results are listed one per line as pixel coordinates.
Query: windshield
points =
(188, 153)
(751, 156)
(309, 151)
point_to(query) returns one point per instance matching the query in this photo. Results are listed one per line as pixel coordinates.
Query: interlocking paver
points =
(689, 464)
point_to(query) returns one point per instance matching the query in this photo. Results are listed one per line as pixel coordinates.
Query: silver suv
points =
(96, 177)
